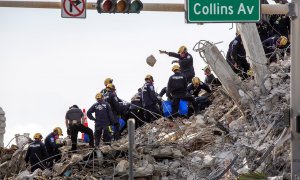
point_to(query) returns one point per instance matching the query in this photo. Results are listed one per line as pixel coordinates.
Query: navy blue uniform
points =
(103, 120)
(35, 154)
(212, 80)
(186, 65)
(270, 46)
(264, 29)
(195, 90)
(52, 148)
(150, 102)
(74, 116)
(281, 24)
(177, 86)
(113, 100)
(136, 110)
(236, 54)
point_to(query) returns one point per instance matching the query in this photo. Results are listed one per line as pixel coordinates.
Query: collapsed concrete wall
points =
(2, 127)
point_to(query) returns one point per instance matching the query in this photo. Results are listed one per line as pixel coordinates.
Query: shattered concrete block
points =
(144, 171)
(122, 167)
(23, 175)
(268, 84)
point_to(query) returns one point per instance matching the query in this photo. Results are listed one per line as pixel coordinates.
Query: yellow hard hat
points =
(283, 41)
(196, 81)
(108, 81)
(110, 86)
(175, 67)
(58, 130)
(182, 49)
(37, 136)
(148, 76)
(99, 96)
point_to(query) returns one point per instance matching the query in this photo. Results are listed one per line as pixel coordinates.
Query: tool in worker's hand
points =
(151, 60)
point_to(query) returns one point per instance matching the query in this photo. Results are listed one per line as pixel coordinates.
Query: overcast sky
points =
(48, 63)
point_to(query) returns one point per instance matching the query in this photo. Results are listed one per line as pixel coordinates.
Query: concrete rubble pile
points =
(219, 143)
(2, 126)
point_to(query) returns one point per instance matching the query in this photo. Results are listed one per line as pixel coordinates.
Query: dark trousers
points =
(106, 131)
(117, 134)
(188, 97)
(35, 164)
(75, 128)
(139, 116)
(153, 113)
(54, 156)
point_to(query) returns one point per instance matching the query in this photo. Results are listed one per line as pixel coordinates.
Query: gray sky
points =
(48, 63)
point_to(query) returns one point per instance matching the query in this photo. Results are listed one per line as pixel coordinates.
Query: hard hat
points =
(58, 130)
(283, 41)
(110, 86)
(108, 81)
(37, 136)
(99, 96)
(196, 81)
(182, 49)
(206, 68)
(175, 67)
(148, 76)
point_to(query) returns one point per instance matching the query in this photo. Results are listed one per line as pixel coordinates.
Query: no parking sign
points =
(73, 9)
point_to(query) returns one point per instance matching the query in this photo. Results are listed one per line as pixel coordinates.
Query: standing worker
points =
(52, 145)
(106, 82)
(177, 86)
(103, 120)
(36, 153)
(185, 61)
(111, 97)
(74, 122)
(149, 100)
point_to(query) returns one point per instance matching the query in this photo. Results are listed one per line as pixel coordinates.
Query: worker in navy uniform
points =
(273, 43)
(281, 25)
(150, 100)
(136, 109)
(177, 87)
(111, 97)
(103, 118)
(194, 88)
(210, 79)
(236, 57)
(53, 146)
(36, 153)
(264, 29)
(74, 122)
(106, 82)
(185, 62)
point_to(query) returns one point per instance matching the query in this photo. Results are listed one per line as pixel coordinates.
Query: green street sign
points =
(199, 11)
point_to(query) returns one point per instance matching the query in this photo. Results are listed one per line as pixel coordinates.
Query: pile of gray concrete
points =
(2, 126)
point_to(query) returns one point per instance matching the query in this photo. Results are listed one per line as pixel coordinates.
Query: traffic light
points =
(119, 6)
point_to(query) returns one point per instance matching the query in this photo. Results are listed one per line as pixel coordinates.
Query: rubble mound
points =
(220, 143)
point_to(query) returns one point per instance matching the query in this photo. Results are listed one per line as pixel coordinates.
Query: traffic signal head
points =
(119, 6)
(135, 6)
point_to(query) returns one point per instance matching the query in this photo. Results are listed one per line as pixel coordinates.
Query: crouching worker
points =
(52, 145)
(74, 122)
(36, 153)
(103, 121)
(194, 88)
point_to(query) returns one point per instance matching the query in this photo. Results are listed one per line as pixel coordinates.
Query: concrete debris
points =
(2, 127)
(219, 143)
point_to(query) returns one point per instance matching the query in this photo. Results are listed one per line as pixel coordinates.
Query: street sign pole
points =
(295, 93)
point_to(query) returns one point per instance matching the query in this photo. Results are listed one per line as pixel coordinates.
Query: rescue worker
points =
(36, 153)
(177, 87)
(236, 57)
(281, 25)
(264, 29)
(103, 119)
(106, 82)
(185, 62)
(194, 88)
(210, 79)
(111, 97)
(74, 121)
(273, 43)
(136, 110)
(150, 100)
(52, 145)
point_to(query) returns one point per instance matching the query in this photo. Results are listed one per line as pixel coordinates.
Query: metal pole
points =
(295, 93)
(159, 7)
(131, 127)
